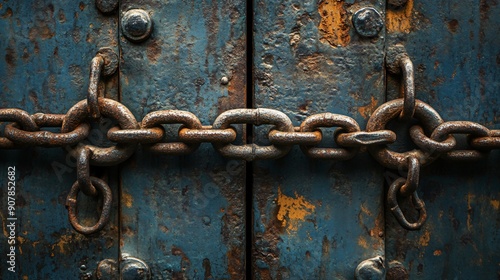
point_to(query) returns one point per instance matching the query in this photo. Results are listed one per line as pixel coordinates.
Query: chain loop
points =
(429, 145)
(19, 116)
(492, 141)
(344, 123)
(83, 172)
(393, 204)
(109, 108)
(96, 86)
(388, 111)
(408, 87)
(466, 127)
(251, 152)
(44, 138)
(71, 205)
(187, 119)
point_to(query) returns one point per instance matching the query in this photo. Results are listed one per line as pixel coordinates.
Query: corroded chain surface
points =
(431, 134)
(433, 137)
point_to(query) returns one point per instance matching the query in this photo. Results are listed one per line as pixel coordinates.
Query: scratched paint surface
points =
(454, 47)
(46, 48)
(315, 219)
(185, 215)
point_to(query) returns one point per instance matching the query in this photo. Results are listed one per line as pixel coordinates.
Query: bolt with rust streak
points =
(136, 25)
(368, 22)
(397, 3)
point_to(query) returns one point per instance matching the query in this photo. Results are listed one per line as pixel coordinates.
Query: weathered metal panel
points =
(454, 46)
(46, 48)
(185, 215)
(316, 219)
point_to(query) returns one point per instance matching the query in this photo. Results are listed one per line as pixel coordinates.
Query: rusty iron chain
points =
(434, 138)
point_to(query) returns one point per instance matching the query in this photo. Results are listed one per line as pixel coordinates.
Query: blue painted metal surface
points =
(316, 219)
(454, 47)
(46, 48)
(185, 216)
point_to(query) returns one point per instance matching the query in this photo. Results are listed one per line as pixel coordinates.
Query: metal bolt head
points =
(371, 269)
(134, 269)
(224, 80)
(136, 25)
(106, 6)
(368, 22)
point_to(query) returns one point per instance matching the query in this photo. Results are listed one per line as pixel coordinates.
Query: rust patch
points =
(334, 25)
(82, 6)
(8, 13)
(495, 204)
(10, 57)
(437, 253)
(453, 25)
(367, 110)
(470, 197)
(424, 239)
(154, 51)
(207, 268)
(400, 20)
(362, 242)
(127, 199)
(292, 211)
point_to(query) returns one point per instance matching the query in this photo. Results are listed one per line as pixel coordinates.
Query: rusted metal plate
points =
(46, 48)
(454, 47)
(185, 215)
(316, 219)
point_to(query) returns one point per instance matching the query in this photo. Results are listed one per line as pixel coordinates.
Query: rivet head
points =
(371, 269)
(136, 25)
(224, 80)
(134, 269)
(368, 22)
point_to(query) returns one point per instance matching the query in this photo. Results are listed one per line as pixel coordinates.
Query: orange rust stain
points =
(25, 277)
(495, 203)
(400, 20)
(127, 199)
(61, 244)
(293, 210)
(362, 242)
(437, 253)
(334, 25)
(470, 197)
(425, 238)
(21, 240)
(367, 110)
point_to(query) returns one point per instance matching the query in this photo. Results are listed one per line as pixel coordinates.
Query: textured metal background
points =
(316, 219)
(46, 48)
(185, 216)
(454, 46)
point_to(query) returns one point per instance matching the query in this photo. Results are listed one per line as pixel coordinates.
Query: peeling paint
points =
(495, 203)
(399, 20)
(367, 110)
(425, 238)
(292, 211)
(334, 25)
(127, 199)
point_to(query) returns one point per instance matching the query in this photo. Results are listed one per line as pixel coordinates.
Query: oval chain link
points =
(344, 123)
(251, 152)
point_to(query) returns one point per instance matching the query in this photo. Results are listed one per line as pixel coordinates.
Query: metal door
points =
(185, 205)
